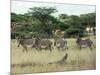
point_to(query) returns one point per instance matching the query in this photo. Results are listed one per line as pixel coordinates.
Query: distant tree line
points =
(39, 22)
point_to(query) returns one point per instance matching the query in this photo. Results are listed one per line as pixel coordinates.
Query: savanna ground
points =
(35, 61)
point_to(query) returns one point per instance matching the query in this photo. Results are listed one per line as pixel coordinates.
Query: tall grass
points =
(37, 61)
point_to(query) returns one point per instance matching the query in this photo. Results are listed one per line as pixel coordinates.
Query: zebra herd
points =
(40, 44)
(59, 43)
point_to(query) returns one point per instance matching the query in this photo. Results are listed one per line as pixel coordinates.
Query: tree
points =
(37, 21)
(43, 15)
(72, 25)
(63, 16)
(20, 25)
(88, 20)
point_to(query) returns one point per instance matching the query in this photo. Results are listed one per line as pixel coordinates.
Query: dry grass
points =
(35, 61)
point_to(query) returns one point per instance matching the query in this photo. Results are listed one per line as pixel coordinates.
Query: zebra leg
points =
(25, 48)
(54, 43)
(50, 48)
(80, 47)
(58, 48)
(40, 48)
(46, 48)
(90, 47)
(66, 47)
(18, 45)
(93, 45)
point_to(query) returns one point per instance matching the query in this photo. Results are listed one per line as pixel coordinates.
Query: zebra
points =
(25, 43)
(61, 43)
(44, 44)
(86, 42)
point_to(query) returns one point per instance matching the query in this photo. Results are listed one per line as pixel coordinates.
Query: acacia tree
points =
(43, 15)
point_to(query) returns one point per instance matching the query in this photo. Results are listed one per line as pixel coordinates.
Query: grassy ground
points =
(35, 61)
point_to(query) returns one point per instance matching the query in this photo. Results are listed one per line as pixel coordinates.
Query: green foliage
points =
(43, 15)
(72, 32)
(74, 26)
(88, 19)
(63, 16)
(39, 22)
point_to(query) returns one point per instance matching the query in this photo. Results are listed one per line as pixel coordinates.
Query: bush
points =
(42, 35)
(72, 32)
